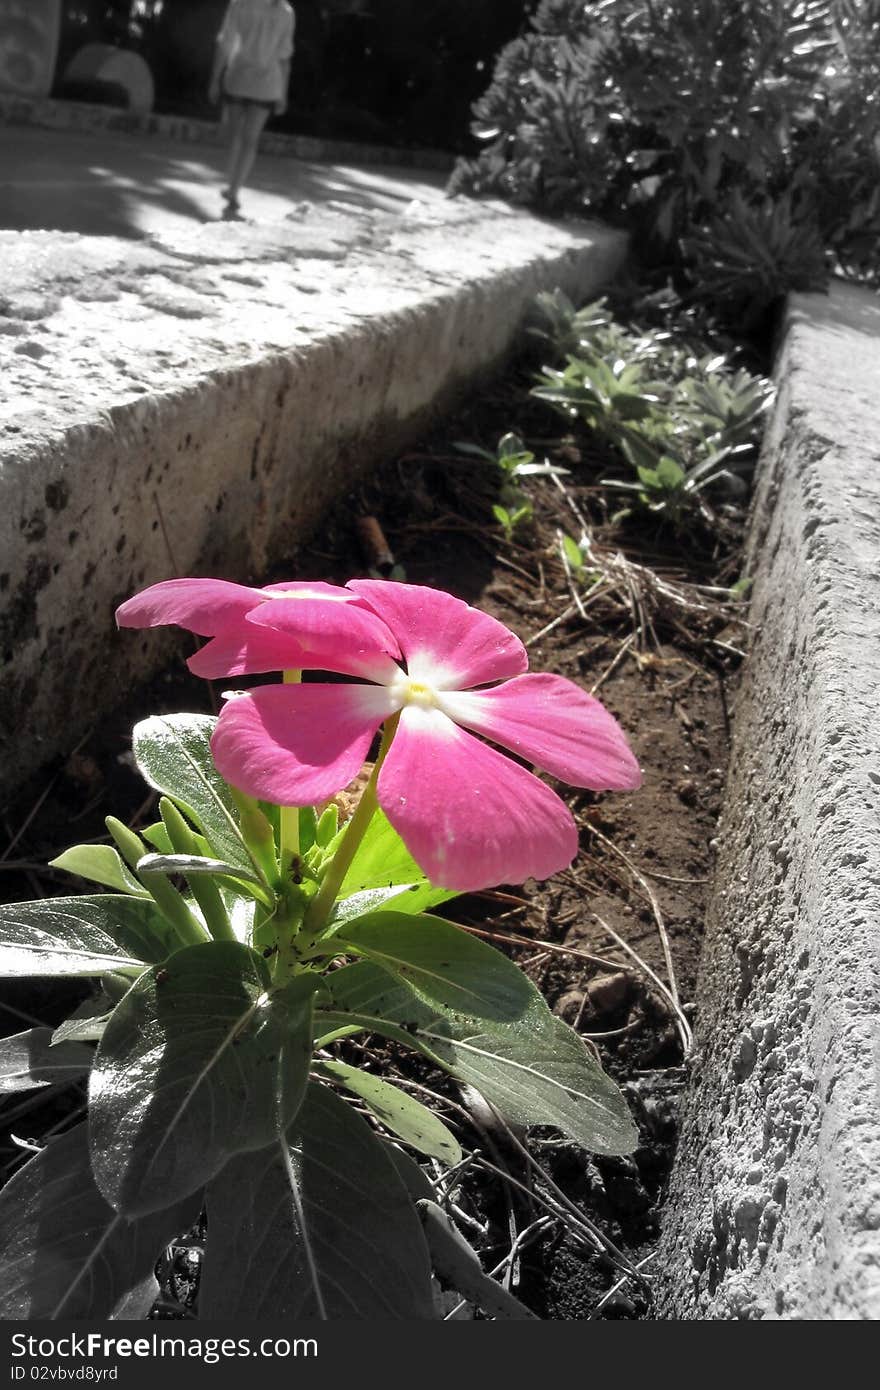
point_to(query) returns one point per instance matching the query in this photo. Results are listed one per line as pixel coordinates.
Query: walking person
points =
(250, 74)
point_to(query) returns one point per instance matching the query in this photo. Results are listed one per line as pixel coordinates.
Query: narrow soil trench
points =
(597, 939)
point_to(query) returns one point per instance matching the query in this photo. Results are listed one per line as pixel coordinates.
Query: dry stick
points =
(624, 648)
(579, 516)
(655, 908)
(684, 1028)
(567, 1212)
(447, 1183)
(563, 617)
(523, 1239)
(619, 1285)
(670, 878)
(513, 940)
(511, 566)
(622, 1261)
(572, 1218)
(628, 576)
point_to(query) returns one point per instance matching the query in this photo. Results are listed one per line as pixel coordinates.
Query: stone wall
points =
(774, 1210)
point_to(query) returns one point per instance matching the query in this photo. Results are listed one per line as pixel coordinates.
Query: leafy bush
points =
(684, 419)
(739, 142)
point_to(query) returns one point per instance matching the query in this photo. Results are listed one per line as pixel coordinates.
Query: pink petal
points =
(314, 588)
(205, 606)
(551, 722)
(244, 650)
(469, 816)
(297, 744)
(446, 643)
(342, 634)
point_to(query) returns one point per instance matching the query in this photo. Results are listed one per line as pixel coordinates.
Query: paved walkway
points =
(136, 186)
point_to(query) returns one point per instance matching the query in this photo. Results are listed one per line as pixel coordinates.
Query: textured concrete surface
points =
(192, 401)
(775, 1204)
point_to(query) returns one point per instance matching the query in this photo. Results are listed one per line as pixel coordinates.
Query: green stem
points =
(289, 815)
(322, 902)
(288, 920)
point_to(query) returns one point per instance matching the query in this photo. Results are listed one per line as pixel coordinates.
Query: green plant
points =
(246, 936)
(509, 520)
(669, 491)
(684, 420)
(574, 557)
(737, 143)
(513, 461)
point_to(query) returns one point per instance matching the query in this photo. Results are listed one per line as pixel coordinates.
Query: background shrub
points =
(738, 143)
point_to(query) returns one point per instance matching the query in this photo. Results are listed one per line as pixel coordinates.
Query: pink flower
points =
(325, 628)
(471, 817)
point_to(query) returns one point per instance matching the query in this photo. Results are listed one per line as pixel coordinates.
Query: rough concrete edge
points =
(49, 113)
(264, 461)
(774, 1205)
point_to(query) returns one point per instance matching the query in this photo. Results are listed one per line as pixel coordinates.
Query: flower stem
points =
(288, 920)
(322, 902)
(289, 822)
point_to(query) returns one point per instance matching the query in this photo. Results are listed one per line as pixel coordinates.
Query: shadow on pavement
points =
(101, 185)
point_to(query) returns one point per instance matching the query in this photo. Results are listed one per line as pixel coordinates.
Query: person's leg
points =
(252, 122)
(234, 117)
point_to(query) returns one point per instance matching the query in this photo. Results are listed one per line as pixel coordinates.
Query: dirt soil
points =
(643, 871)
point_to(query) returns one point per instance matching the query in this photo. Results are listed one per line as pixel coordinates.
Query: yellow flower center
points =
(414, 693)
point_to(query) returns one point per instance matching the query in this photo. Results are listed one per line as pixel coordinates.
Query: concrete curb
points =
(84, 116)
(275, 362)
(774, 1209)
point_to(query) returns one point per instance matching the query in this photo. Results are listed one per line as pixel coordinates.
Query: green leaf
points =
(474, 450)
(64, 1253)
(573, 553)
(308, 828)
(28, 1060)
(413, 1177)
(194, 864)
(319, 1225)
(383, 861)
(365, 903)
(670, 474)
(157, 836)
(443, 964)
(742, 586)
(405, 1116)
(86, 1029)
(328, 826)
(536, 1070)
(70, 936)
(192, 1067)
(101, 864)
(173, 753)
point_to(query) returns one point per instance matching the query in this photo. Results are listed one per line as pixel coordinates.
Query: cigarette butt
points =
(377, 552)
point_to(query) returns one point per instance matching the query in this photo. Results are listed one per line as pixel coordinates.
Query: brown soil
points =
(646, 858)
